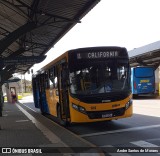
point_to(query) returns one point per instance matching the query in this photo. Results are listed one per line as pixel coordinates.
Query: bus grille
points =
(106, 114)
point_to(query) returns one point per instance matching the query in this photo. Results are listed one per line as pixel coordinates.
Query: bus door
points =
(64, 99)
(42, 99)
(35, 92)
(40, 88)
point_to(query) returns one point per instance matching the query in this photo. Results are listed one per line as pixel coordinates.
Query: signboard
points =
(13, 79)
(22, 60)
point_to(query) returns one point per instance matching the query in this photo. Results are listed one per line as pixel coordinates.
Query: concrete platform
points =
(25, 132)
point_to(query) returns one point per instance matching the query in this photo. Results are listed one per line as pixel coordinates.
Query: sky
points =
(124, 23)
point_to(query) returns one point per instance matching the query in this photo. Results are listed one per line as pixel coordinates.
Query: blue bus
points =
(142, 80)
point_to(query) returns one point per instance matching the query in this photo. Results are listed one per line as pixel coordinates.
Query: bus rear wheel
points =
(135, 96)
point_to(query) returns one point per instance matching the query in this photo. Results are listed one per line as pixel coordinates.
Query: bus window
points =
(51, 77)
(55, 80)
(47, 84)
(144, 72)
(98, 78)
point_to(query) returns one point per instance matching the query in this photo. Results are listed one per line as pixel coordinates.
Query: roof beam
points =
(6, 32)
(59, 17)
(18, 52)
(8, 40)
(15, 8)
(156, 65)
(140, 62)
(6, 76)
(34, 8)
(34, 11)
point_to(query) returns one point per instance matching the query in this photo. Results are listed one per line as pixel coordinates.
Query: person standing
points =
(14, 98)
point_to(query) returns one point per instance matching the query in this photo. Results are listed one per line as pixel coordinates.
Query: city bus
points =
(85, 85)
(142, 80)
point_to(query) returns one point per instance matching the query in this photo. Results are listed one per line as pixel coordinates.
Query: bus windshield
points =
(144, 72)
(99, 77)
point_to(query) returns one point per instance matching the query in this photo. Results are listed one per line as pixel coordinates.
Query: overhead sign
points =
(13, 79)
(97, 55)
(22, 60)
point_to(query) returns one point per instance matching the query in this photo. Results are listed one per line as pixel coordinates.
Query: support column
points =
(159, 79)
(1, 100)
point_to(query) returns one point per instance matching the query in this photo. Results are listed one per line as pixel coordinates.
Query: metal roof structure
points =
(29, 28)
(148, 55)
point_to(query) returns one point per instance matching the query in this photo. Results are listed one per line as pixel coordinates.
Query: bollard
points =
(1, 108)
(1, 101)
(159, 88)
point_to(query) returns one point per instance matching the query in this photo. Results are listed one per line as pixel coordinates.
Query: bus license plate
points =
(108, 115)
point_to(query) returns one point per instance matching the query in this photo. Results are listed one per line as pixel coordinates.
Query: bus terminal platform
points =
(24, 132)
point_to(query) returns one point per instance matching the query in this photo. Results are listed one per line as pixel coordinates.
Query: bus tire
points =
(42, 112)
(108, 121)
(135, 96)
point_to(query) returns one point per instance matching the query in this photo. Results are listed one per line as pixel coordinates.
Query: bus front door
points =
(64, 92)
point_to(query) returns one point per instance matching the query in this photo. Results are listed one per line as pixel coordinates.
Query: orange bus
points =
(85, 85)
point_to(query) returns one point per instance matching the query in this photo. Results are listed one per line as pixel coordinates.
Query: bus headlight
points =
(128, 104)
(74, 106)
(79, 108)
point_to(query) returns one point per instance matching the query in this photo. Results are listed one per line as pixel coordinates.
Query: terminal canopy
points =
(148, 55)
(29, 28)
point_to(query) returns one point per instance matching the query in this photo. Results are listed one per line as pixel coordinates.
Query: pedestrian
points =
(14, 98)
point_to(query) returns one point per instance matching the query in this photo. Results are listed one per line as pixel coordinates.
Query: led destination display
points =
(97, 55)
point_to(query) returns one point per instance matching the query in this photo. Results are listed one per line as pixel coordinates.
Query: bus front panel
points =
(84, 112)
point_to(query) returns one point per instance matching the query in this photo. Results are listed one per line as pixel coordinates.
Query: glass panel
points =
(144, 72)
(99, 77)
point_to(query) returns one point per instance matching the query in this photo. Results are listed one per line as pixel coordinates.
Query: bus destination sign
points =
(97, 55)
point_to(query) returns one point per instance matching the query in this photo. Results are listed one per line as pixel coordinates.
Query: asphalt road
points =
(140, 130)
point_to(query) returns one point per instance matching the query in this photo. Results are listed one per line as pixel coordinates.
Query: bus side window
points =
(57, 93)
(55, 80)
(51, 78)
(42, 82)
(47, 85)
